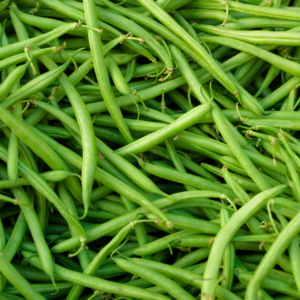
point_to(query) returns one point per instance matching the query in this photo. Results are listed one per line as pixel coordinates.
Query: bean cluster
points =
(149, 149)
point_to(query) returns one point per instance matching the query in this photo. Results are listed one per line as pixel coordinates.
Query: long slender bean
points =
(244, 213)
(17, 280)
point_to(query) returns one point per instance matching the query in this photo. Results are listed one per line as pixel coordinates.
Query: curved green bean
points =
(225, 234)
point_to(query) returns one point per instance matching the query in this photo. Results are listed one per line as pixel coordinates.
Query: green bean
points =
(224, 150)
(155, 277)
(238, 152)
(273, 72)
(12, 159)
(276, 60)
(245, 183)
(291, 99)
(6, 296)
(18, 47)
(41, 186)
(263, 22)
(82, 56)
(4, 5)
(294, 254)
(42, 288)
(8, 212)
(198, 241)
(17, 280)
(107, 121)
(22, 34)
(116, 75)
(247, 100)
(204, 14)
(67, 262)
(274, 273)
(5, 63)
(53, 131)
(113, 170)
(149, 23)
(191, 223)
(285, 124)
(12, 82)
(74, 78)
(179, 166)
(187, 179)
(186, 25)
(238, 190)
(294, 157)
(2, 247)
(150, 113)
(102, 76)
(34, 86)
(270, 284)
(229, 255)
(68, 201)
(192, 258)
(50, 176)
(155, 138)
(260, 37)
(77, 43)
(168, 34)
(188, 74)
(255, 10)
(12, 78)
(46, 23)
(98, 214)
(12, 201)
(141, 232)
(32, 273)
(226, 233)
(130, 68)
(293, 173)
(97, 283)
(162, 243)
(261, 293)
(15, 239)
(243, 69)
(171, 5)
(144, 95)
(187, 163)
(145, 69)
(88, 139)
(35, 229)
(183, 213)
(258, 82)
(206, 203)
(98, 260)
(93, 89)
(111, 206)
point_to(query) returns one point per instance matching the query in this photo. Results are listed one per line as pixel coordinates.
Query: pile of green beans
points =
(149, 149)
